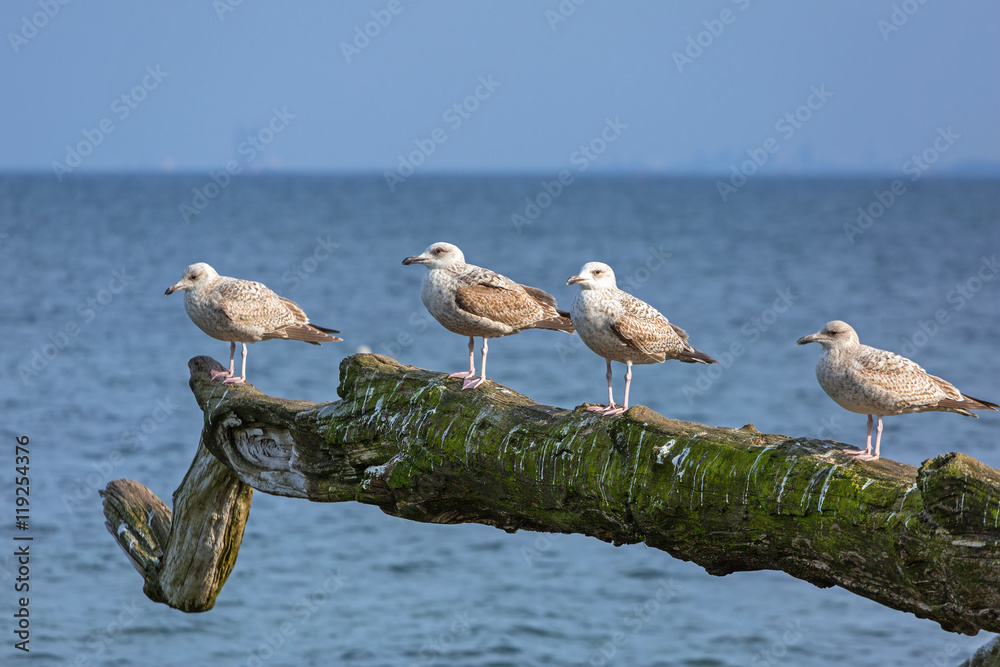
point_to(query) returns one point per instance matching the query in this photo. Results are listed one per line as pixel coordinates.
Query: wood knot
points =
(270, 449)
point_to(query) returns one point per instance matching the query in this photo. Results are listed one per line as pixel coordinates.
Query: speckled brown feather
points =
(911, 387)
(488, 294)
(868, 380)
(641, 334)
(508, 305)
(245, 311)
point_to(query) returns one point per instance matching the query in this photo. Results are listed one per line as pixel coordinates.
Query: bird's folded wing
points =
(297, 313)
(683, 335)
(649, 336)
(540, 296)
(893, 373)
(246, 301)
(496, 297)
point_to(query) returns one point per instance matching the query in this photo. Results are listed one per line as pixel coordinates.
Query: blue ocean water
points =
(94, 361)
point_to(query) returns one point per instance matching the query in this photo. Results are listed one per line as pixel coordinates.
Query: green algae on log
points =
(410, 441)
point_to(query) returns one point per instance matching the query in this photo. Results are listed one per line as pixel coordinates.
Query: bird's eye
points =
(438, 251)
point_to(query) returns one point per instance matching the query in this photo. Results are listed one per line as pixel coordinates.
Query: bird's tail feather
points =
(966, 404)
(562, 322)
(307, 333)
(982, 405)
(694, 356)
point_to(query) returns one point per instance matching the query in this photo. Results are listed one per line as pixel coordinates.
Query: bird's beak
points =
(415, 259)
(172, 289)
(573, 280)
(811, 338)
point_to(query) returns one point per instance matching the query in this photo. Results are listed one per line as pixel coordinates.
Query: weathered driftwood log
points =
(988, 655)
(184, 559)
(924, 541)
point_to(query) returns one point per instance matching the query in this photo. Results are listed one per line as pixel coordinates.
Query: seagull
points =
(242, 311)
(620, 327)
(472, 301)
(880, 383)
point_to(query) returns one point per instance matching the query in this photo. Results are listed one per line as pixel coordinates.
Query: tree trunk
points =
(408, 440)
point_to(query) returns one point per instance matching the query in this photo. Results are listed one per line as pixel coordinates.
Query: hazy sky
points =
(644, 86)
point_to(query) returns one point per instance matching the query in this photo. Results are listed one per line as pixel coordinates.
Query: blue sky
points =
(692, 87)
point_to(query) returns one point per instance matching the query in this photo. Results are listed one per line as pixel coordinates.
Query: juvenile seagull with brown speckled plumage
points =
(880, 383)
(242, 311)
(620, 327)
(472, 301)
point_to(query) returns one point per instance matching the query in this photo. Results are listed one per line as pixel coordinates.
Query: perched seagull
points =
(620, 327)
(879, 383)
(473, 301)
(242, 311)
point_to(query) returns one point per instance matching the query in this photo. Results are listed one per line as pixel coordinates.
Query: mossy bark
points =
(924, 541)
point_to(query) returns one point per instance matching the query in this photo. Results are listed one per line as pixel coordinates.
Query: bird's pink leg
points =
(612, 410)
(472, 361)
(471, 382)
(878, 443)
(223, 374)
(611, 400)
(243, 375)
(878, 437)
(863, 454)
